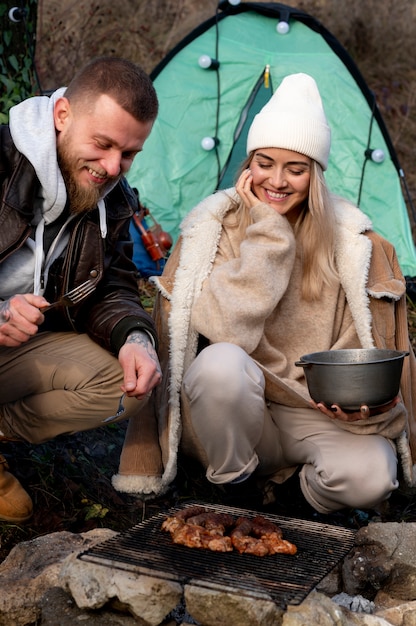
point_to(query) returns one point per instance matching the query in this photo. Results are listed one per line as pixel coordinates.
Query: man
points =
(64, 221)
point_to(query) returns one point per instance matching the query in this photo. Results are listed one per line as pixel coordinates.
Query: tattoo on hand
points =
(4, 312)
(142, 339)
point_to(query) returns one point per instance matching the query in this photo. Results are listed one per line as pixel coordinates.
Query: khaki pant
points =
(240, 433)
(59, 383)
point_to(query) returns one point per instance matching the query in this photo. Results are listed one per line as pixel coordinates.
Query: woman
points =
(262, 274)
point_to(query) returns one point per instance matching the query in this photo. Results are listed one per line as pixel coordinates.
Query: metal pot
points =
(351, 378)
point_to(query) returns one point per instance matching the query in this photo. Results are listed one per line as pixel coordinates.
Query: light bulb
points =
(17, 14)
(209, 143)
(282, 27)
(377, 155)
(206, 62)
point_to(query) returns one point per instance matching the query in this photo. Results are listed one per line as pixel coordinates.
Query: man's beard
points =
(81, 199)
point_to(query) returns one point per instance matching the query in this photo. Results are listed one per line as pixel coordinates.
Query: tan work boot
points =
(15, 503)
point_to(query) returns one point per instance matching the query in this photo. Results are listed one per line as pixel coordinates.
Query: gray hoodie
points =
(32, 128)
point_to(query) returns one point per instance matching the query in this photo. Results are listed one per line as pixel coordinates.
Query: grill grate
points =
(286, 579)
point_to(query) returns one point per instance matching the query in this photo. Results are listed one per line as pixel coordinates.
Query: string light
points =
(17, 14)
(209, 143)
(207, 63)
(282, 27)
(377, 155)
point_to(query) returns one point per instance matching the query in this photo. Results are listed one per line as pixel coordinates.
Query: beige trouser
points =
(59, 383)
(240, 433)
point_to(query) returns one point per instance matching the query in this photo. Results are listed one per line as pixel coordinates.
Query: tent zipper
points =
(263, 80)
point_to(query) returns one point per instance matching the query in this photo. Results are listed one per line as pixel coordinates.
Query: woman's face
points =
(281, 179)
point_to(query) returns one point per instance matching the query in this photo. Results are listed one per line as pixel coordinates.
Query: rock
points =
(42, 579)
(384, 557)
(93, 586)
(318, 609)
(331, 583)
(33, 567)
(357, 604)
(400, 615)
(57, 602)
(214, 607)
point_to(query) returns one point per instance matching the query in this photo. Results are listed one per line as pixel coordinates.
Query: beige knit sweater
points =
(252, 298)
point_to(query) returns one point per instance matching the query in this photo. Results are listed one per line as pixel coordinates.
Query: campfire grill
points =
(286, 579)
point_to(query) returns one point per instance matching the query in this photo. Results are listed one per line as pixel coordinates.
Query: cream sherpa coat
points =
(375, 289)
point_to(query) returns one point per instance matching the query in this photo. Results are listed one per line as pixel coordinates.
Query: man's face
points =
(96, 145)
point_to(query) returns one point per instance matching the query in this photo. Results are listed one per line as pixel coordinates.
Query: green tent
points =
(251, 47)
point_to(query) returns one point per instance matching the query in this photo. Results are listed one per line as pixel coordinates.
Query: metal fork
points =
(120, 410)
(73, 297)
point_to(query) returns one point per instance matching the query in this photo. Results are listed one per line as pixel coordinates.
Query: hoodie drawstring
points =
(103, 218)
(39, 257)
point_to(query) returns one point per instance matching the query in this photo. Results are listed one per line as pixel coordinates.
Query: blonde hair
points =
(314, 232)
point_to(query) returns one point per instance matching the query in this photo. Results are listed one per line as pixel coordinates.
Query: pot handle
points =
(302, 364)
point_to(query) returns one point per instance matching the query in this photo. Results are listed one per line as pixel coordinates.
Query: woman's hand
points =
(244, 190)
(335, 412)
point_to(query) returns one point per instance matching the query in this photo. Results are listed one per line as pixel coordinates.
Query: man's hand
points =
(335, 412)
(140, 365)
(20, 318)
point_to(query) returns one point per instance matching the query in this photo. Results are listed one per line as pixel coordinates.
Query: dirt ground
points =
(69, 480)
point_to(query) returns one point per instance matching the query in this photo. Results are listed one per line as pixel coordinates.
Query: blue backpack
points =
(151, 244)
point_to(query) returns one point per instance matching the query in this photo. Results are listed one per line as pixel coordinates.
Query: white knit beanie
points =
(293, 119)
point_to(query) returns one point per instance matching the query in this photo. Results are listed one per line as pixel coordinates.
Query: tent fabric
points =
(174, 172)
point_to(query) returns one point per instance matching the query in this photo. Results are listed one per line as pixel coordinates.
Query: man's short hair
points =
(126, 82)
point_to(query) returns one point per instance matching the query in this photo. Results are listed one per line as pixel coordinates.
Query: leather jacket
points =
(113, 309)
